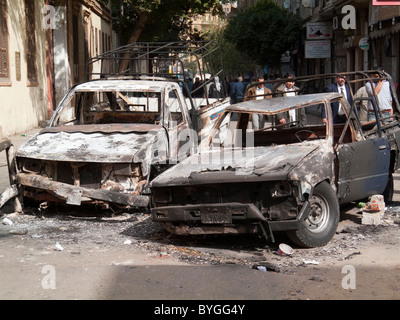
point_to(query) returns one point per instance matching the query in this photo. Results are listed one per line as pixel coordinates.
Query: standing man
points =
(237, 90)
(258, 92)
(382, 91)
(288, 89)
(338, 113)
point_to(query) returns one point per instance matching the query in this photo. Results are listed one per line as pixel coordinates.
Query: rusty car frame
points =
(289, 177)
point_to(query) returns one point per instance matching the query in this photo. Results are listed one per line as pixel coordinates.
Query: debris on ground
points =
(373, 211)
(78, 232)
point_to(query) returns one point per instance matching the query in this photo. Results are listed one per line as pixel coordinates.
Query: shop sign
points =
(318, 49)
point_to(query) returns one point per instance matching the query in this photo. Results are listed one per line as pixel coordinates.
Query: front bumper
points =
(74, 195)
(219, 217)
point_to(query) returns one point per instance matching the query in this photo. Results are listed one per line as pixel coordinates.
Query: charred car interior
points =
(289, 177)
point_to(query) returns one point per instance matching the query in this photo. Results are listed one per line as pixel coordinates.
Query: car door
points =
(362, 165)
(182, 140)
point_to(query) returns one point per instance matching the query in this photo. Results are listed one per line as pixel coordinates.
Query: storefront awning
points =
(380, 33)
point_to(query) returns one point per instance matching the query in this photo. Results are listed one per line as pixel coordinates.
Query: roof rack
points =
(173, 60)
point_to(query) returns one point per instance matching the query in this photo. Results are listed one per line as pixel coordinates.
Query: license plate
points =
(216, 217)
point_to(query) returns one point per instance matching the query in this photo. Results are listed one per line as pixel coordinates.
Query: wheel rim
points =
(318, 218)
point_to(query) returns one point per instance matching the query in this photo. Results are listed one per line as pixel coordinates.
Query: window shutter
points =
(31, 41)
(4, 63)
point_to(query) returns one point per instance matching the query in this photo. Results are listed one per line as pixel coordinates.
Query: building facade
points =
(357, 36)
(23, 73)
(44, 48)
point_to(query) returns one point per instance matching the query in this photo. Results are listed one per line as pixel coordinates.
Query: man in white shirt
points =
(288, 89)
(382, 91)
(258, 92)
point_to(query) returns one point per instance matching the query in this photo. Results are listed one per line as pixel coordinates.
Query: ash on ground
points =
(137, 229)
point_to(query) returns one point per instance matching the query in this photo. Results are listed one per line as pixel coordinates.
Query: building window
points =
(96, 39)
(4, 62)
(31, 42)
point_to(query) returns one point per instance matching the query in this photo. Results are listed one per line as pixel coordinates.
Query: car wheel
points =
(388, 193)
(322, 221)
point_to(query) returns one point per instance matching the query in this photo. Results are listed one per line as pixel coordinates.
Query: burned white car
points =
(105, 141)
(110, 136)
(290, 177)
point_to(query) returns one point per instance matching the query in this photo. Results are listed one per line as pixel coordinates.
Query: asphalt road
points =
(102, 267)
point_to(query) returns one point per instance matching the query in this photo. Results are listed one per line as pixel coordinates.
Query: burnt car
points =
(105, 141)
(291, 177)
(110, 136)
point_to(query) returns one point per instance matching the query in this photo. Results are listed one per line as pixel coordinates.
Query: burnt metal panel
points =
(4, 144)
(104, 128)
(363, 168)
(229, 165)
(86, 147)
(71, 194)
(280, 104)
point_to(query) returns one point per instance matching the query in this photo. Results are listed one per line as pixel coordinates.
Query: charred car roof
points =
(118, 84)
(279, 104)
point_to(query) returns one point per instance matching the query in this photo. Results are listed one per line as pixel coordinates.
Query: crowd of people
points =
(379, 86)
(239, 91)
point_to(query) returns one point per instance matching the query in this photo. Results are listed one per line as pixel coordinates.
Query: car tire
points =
(388, 193)
(321, 223)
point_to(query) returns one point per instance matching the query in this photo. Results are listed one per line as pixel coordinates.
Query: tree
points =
(234, 61)
(157, 19)
(149, 19)
(264, 32)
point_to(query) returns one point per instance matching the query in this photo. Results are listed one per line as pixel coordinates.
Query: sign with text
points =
(385, 3)
(318, 49)
(319, 30)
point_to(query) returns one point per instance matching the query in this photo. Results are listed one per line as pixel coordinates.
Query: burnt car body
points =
(110, 136)
(6, 145)
(288, 177)
(105, 141)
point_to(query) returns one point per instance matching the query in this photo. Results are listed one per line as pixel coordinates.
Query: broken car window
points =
(104, 107)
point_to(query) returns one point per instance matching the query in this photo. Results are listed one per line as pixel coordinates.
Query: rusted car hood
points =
(233, 165)
(112, 143)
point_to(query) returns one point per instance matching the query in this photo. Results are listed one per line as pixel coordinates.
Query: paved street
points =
(118, 258)
(74, 54)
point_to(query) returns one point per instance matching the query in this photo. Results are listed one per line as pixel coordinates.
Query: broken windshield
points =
(104, 107)
(248, 129)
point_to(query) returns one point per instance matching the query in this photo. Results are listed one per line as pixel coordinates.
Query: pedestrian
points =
(383, 94)
(237, 90)
(288, 89)
(363, 108)
(338, 112)
(258, 92)
(197, 88)
(216, 89)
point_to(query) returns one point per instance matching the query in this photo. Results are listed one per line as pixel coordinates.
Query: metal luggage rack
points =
(171, 60)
